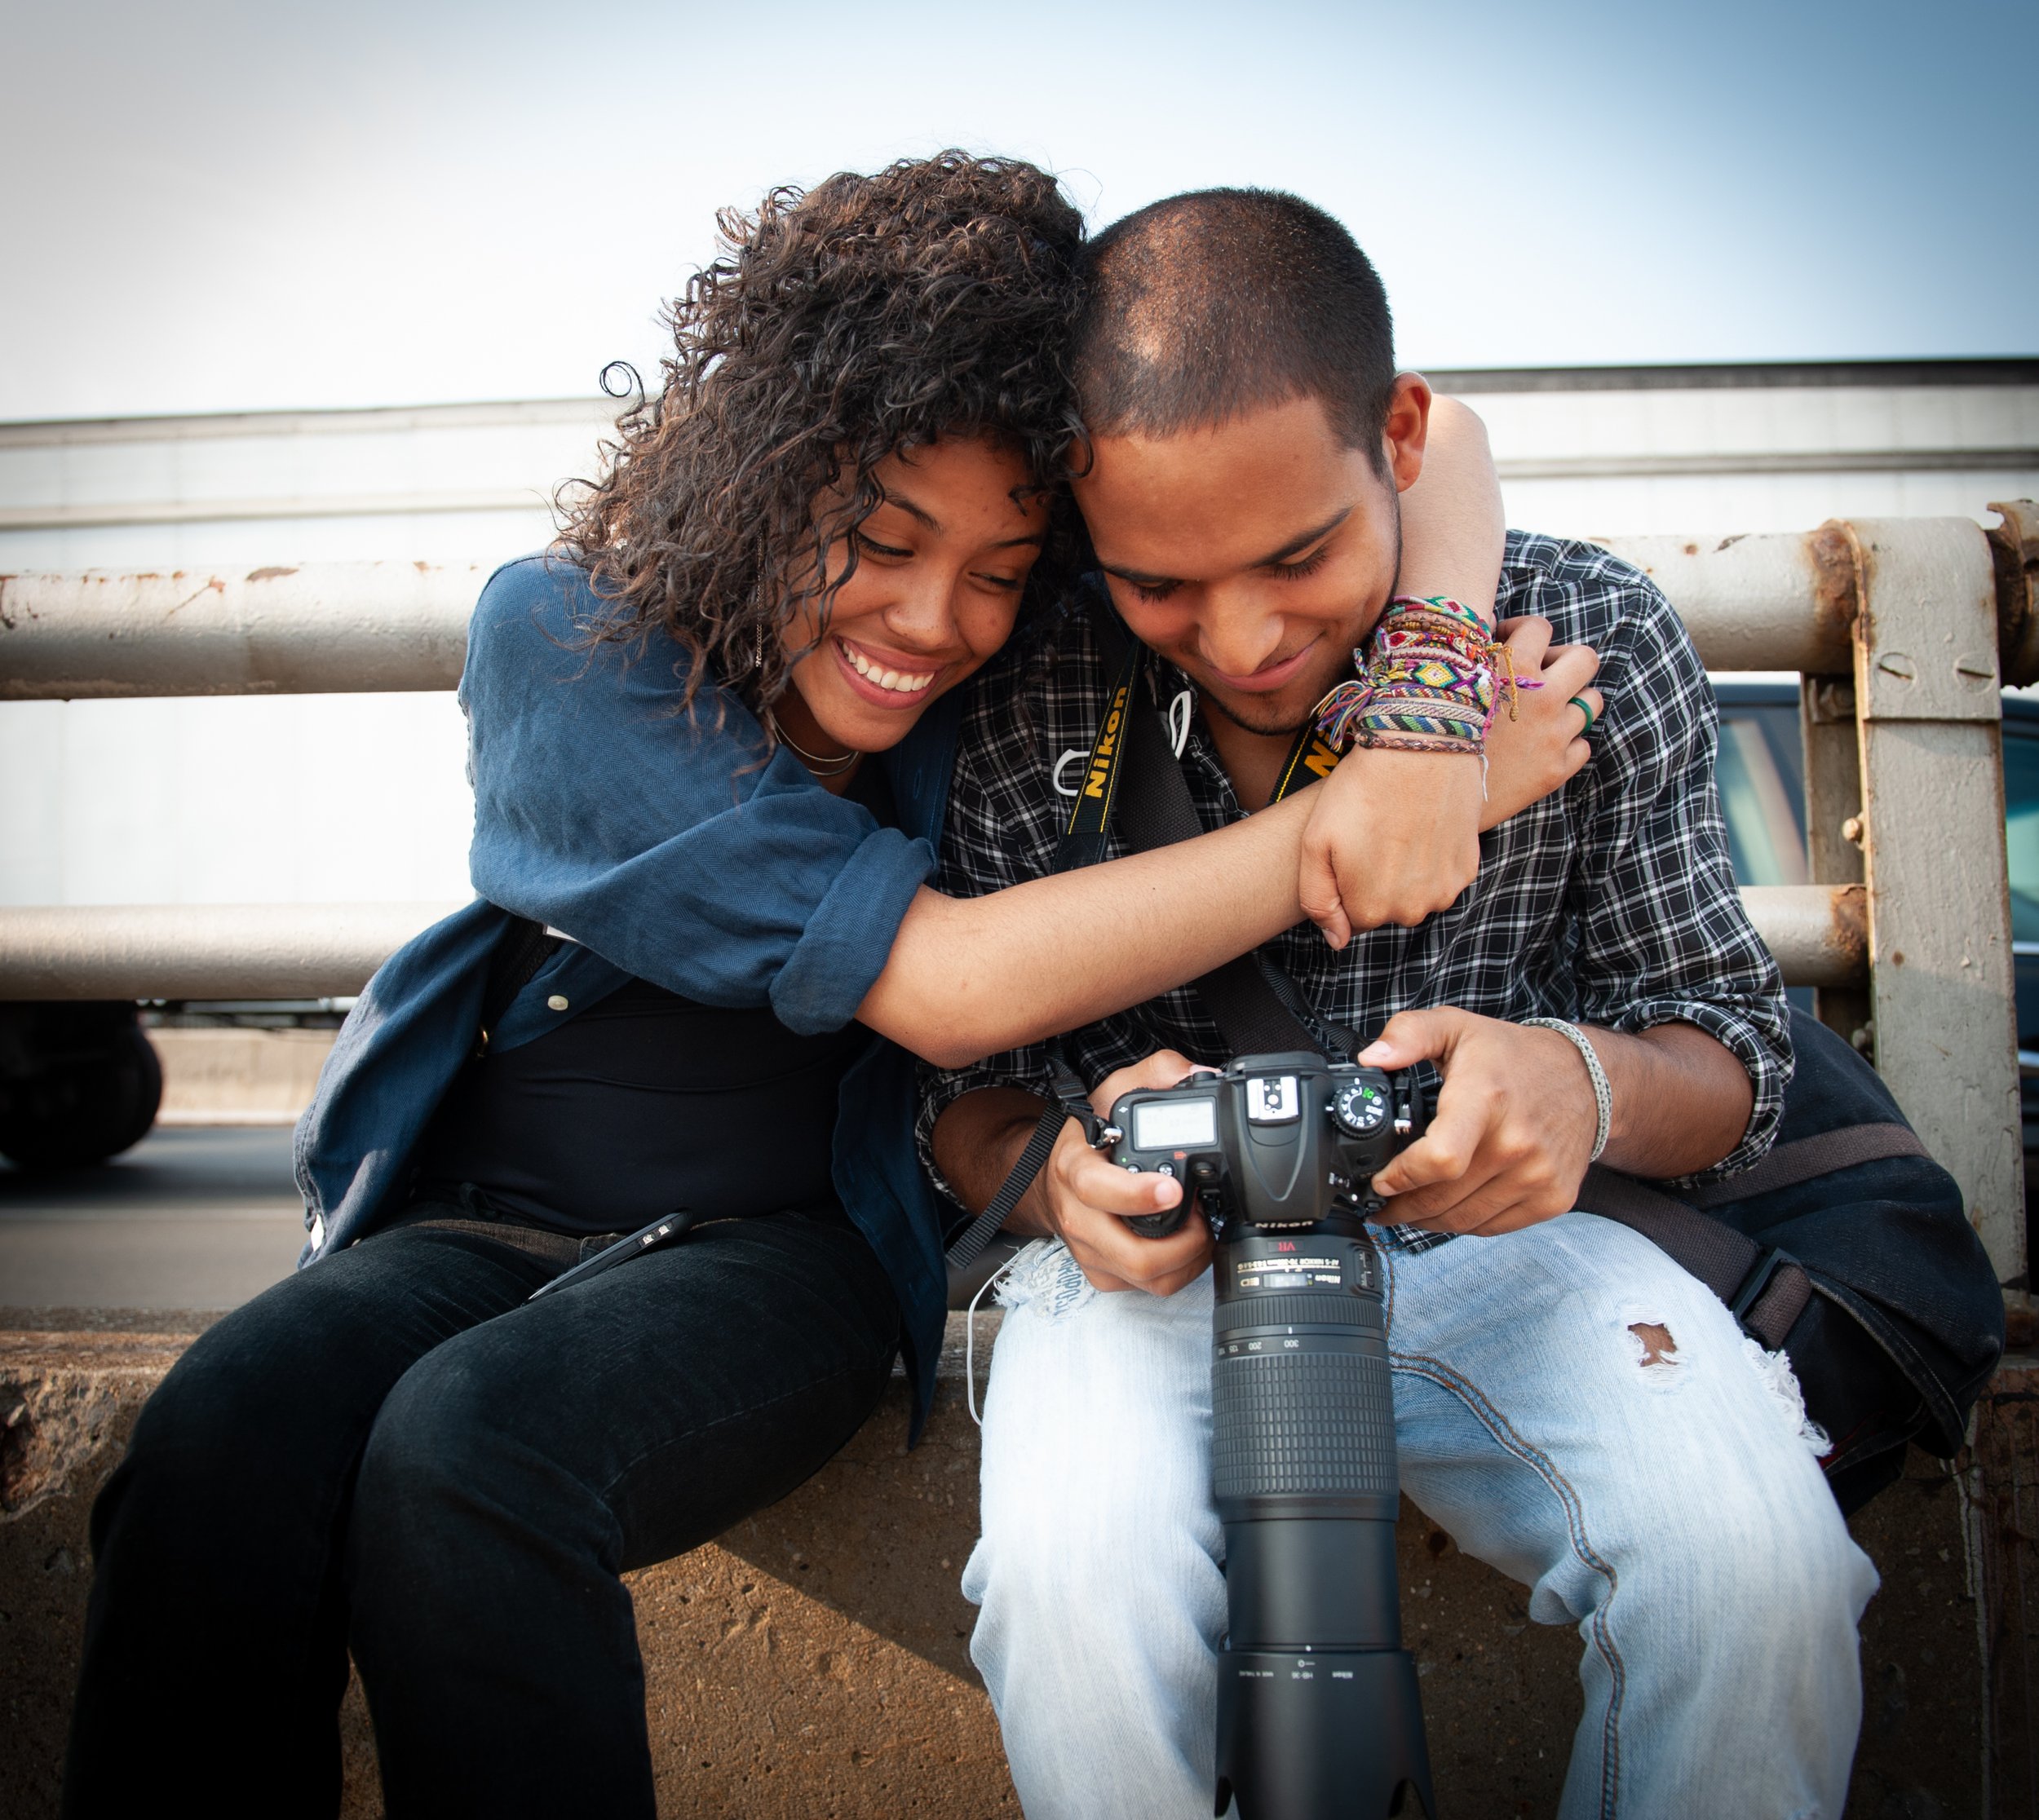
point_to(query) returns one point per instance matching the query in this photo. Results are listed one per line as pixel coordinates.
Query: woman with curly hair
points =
(710, 740)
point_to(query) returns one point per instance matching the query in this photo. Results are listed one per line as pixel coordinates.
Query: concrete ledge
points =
(814, 1661)
(229, 1076)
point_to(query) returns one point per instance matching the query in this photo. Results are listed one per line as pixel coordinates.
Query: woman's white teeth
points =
(901, 681)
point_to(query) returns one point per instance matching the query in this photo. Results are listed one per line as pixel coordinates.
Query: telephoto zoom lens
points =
(1318, 1714)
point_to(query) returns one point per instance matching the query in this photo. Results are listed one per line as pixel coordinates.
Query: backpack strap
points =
(1765, 1289)
(1807, 1159)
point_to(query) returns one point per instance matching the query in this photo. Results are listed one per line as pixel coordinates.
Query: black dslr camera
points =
(1273, 1140)
(1318, 1715)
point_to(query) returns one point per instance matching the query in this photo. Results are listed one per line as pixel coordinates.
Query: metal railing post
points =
(1834, 824)
(1928, 733)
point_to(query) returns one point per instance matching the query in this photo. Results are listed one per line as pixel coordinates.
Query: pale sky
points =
(219, 205)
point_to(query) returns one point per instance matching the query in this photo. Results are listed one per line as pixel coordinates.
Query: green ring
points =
(1586, 709)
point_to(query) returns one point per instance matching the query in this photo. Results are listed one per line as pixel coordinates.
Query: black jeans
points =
(392, 1453)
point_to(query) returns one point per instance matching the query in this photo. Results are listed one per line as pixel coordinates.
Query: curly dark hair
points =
(838, 326)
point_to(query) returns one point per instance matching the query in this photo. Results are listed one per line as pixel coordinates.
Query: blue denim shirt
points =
(659, 842)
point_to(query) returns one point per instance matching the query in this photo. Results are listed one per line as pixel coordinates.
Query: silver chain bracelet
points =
(1603, 1094)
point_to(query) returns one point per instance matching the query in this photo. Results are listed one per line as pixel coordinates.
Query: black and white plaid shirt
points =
(1610, 901)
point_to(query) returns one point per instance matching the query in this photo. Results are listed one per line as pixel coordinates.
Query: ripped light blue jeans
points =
(1671, 1510)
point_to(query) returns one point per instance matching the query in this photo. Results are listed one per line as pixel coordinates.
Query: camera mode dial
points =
(1359, 1108)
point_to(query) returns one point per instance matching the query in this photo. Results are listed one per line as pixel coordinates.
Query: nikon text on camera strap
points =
(1132, 775)
(1125, 724)
(1083, 840)
(1254, 1005)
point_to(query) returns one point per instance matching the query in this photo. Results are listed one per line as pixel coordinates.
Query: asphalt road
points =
(193, 1218)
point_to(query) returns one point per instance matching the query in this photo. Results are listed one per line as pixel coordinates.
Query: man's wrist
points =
(1603, 1091)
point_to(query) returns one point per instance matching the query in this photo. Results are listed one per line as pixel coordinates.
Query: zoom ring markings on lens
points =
(1302, 1423)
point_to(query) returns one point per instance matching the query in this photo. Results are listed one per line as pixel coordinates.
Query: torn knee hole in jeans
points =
(1657, 1356)
(1655, 1348)
(1045, 1278)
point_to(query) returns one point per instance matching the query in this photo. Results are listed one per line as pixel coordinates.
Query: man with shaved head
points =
(1570, 1404)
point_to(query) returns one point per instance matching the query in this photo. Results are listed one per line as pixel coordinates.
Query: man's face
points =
(1254, 556)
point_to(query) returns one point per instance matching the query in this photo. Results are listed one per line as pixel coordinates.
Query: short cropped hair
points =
(1204, 306)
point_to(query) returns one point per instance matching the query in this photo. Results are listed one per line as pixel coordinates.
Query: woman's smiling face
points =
(941, 565)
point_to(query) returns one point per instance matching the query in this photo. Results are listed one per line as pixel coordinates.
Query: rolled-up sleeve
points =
(1663, 938)
(660, 834)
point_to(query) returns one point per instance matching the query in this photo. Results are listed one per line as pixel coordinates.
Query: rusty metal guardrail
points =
(1903, 629)
(304, 951)
(1772, 602)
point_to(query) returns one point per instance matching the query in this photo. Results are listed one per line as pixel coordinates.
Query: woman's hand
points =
(1392, 836)
(1543, 745)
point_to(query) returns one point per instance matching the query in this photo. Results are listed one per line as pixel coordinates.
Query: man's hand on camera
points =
(1513, 1131)
(1078, 1196)
(1085, 1199)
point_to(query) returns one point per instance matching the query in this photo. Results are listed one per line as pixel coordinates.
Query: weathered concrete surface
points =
(815, 1663)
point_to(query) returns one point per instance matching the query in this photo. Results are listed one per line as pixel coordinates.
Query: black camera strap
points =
(1071, 1103)
(1083, 840)
(1124, 724)
(1132, 775)
(1254, 1005)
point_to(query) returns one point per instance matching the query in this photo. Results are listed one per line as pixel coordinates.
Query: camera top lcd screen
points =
(1175, 1124)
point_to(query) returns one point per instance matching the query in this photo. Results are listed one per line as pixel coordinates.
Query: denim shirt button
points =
(555, 1003)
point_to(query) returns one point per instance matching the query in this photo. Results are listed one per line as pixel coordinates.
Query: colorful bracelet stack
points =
(1432, 684)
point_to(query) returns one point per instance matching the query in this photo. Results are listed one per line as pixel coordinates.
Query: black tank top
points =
(643, 1104)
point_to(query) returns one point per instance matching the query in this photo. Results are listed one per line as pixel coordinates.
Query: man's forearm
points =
(977, 1140)
(1682, 1100)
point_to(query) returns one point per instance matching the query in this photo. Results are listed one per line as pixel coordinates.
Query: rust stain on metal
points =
(211, 585)
(269, 574)
(2013, 553)
(1848, 929)
(6, 624)
(1729, 543)
(1836, 589)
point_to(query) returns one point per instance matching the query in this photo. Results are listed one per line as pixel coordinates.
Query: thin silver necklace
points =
(820, 767)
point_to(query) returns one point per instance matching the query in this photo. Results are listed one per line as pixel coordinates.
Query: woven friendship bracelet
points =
(1433, 685)
(1431, 676)
(1603, 1094)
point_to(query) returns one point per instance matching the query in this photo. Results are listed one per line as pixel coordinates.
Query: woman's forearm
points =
(1452, 524)
(970, 976)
